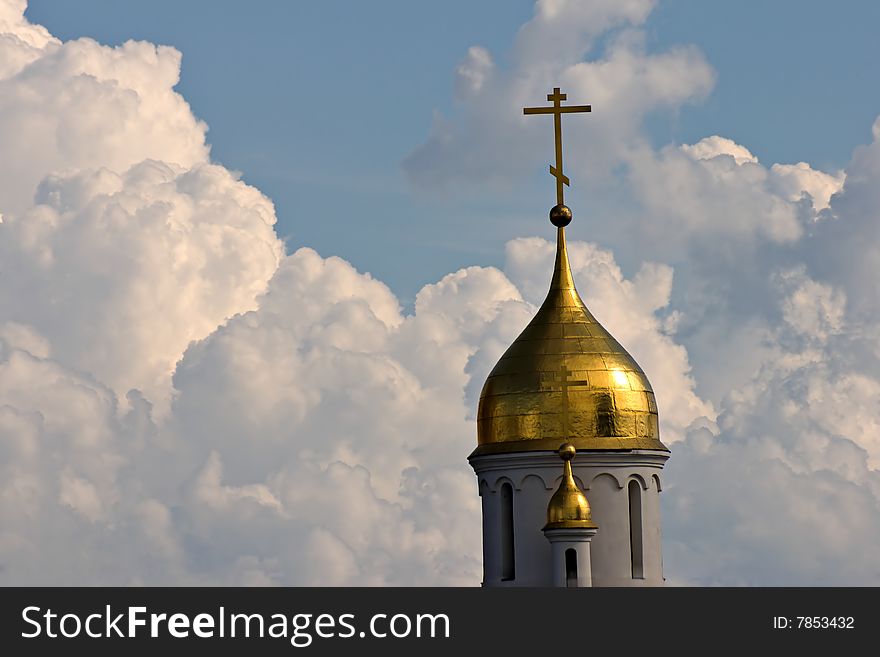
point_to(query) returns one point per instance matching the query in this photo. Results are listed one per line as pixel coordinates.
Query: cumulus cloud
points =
(711, 147)
(65, 444)
(477, 147)
(794, 181)
(48, 122)
(564, 30)
(789, 474)
(777, 202)
(785, 487)
(120, 271)
(845, 249)
(473, 71)
(121, 243)
(21, 42)
(696, 192)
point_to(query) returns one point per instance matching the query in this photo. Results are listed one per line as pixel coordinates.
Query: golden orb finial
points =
(568, 507)
(560, 216)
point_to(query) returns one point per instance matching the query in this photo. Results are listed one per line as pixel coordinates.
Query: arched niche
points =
(606, 478)
(656, 481)
(635, 476)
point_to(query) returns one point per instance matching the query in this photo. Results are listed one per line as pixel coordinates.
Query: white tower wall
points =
(605, 479)
(563, 540)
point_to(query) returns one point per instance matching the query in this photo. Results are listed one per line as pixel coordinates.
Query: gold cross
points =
(564, 384)
(557, 111)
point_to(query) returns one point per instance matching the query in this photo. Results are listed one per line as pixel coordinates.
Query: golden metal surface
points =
(566, 379)
(569, 506)
(557, 111)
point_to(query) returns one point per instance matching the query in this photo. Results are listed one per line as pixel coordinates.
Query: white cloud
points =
(796, 180)
(562, 31)
(812, 309)
(21, 42)
(48, 122)
(787, 483)
(845, 248)
(711, 147)
(120, 271)
(473, 72)
(624, 83)
(786, 488)
(125, 242)
(697, 193)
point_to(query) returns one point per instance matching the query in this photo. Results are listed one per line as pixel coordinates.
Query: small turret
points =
(570, 528)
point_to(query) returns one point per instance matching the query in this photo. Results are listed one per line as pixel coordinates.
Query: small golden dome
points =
(565, 378)
(569, 506)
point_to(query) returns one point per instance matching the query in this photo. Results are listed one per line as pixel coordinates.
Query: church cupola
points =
(565, 379)
(568, 508)
(569, 528)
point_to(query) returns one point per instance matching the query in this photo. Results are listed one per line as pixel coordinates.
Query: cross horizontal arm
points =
(551, 386)
(554, 110)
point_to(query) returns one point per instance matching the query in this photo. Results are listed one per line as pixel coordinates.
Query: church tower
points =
(567, 389)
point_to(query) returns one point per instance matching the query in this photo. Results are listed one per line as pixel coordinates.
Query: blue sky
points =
(318, 103)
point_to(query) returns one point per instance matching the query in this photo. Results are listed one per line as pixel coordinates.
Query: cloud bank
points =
(181, 402)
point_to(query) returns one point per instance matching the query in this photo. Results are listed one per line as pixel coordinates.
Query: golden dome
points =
(565, 378)
(569, 506)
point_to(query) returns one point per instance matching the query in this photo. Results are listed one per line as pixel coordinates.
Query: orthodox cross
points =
(564, 384)
(557, 111)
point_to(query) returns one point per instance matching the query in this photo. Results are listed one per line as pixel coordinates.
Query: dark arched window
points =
(635, 529)
(508, 561)
(571, 567)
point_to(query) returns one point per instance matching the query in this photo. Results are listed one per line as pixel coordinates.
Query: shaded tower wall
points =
(623, 489)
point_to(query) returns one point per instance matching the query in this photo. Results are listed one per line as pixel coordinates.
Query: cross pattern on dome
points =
(557, 111)
(564, 384)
